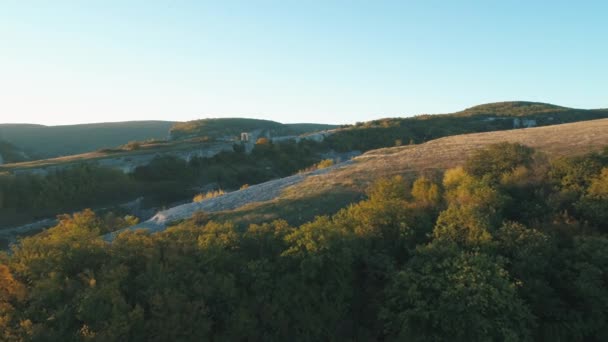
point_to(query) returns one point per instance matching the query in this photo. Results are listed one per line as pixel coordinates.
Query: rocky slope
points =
(255, 193)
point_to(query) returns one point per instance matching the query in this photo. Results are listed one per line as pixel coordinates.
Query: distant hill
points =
(53, 141)
(40, 142)
(483, 118)
(514, 108)
(545, 112)
(225, 127)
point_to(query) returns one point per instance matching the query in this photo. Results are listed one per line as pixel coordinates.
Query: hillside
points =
(40, 142)
(515, 109)
(483, 118)
(11, 154)
(53, 141)
(300, 198)
(126, 157)
(229, 127)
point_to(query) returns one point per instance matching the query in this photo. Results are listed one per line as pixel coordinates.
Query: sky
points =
(67, 62)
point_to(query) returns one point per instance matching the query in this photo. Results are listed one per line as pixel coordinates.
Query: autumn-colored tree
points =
(262, 141)
(12, 293)
(426, 193)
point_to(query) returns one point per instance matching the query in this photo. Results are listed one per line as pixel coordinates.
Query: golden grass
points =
(558, 140)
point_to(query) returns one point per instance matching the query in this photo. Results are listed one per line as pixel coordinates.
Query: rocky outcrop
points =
(128, 162)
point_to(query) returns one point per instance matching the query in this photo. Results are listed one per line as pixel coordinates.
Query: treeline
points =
(24, 198)
(511, 247)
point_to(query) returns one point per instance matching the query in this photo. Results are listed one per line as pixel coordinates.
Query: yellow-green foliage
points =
(325, 163)
(388, 188)
(210, 194)
(599, 186)
(12, 292)
(473, 208)
(374, 271)
(426, 193)
(461, 189)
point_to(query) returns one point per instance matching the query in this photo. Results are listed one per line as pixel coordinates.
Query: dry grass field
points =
(340, 186)
(559, 140)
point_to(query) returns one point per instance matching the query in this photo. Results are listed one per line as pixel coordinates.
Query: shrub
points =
(211, 194)
(263, 141)
(497, 159)
(325, 164)
(132, 146)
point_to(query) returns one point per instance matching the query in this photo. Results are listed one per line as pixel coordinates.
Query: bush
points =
(262, 141)
(205, 196)
(498, 159)
(132, 146)
(323, 164)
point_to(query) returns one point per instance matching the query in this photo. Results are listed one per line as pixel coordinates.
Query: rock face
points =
(1, 160)
(255, 193)
(524, 123)
(317, 136)
(127, 163)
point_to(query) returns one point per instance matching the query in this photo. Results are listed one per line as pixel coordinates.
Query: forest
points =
(165, 180)
(512, 246)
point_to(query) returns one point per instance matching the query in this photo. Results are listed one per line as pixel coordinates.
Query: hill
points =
(40, 142)
(53, 141)
(483, 118)
(229, 127)
(513, 108)
(300, 198)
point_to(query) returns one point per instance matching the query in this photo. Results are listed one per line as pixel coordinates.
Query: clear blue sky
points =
(67, 62)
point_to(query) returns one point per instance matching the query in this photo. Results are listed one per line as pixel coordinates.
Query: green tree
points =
(497, 159)
(444, 294)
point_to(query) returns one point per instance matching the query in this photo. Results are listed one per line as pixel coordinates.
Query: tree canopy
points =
(430, 260)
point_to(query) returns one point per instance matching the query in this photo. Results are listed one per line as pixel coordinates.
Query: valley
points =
(276, 198)
(348, 223)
